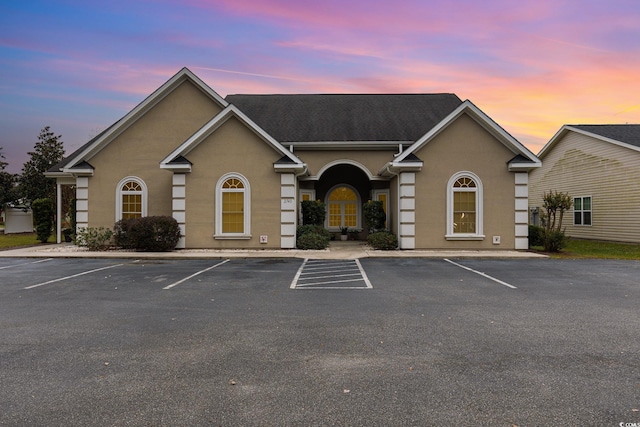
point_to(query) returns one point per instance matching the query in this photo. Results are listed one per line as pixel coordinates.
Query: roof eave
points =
(177, 167)
(395, 168)
(295, 168)
(524, 166)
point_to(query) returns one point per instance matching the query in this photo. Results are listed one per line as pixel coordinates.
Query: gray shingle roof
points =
(346, 117)
(629, 134)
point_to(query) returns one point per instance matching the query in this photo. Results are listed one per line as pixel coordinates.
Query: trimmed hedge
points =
(43, 218)
(94, 238)
(374, 216)
(147, 234)
(312, 237)
(313, 212)
(536, 235)
(383, 240)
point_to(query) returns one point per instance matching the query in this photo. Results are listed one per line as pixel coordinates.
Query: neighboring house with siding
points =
(599, 166)
(232, 171)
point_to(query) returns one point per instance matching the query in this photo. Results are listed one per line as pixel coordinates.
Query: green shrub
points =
(147, 234)
(304, 229)
(312, 237)
(312, 241)
(121, 236)
(94, 238)
(554, 241)
(43, 218)
(313, 212)
(383, 240)
(536, 236)
(374, 216)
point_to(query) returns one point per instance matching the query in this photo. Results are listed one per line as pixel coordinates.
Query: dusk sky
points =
(532, 66)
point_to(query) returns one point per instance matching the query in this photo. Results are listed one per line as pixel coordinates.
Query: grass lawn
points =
(578, 248)
(11, 241)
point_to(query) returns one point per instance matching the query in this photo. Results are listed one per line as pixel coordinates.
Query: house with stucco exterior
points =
(599, 167)
(232, 171)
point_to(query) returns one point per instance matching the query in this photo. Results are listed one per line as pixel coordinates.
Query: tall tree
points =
(7, 180)
(47, 152)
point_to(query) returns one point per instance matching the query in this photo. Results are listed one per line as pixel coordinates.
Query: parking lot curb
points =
(341, 252)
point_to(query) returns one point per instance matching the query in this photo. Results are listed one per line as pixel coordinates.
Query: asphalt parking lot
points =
(256, 342)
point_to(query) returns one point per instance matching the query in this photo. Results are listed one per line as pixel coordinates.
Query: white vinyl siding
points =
(582, 165)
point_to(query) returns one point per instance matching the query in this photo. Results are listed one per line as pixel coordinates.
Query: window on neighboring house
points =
(582, 210)
(232, 207)
(131, 198)
(464, 207)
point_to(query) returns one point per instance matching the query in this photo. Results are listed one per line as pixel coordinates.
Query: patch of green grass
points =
(12, 241)
(578, 248)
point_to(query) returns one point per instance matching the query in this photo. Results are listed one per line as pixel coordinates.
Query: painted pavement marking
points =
(72, 276)
(330, 274)
(26, 263)
(195, 274)
(481, 274)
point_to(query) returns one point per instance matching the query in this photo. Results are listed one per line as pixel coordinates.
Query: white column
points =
(522, 210)
(287, 211)
(407, 208)
(82, 202)
(58, 212)
(178, 205)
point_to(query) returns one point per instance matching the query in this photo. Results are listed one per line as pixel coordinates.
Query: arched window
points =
(342, 204)
(131, 198)
(464, 207)
(233, 213)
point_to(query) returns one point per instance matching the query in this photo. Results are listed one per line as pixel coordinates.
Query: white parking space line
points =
(481, 274)
(298, 273)
(72, 276)
(26, 263)
(195, 274)
(315, 274)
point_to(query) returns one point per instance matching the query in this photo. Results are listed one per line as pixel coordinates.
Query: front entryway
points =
(343, 208)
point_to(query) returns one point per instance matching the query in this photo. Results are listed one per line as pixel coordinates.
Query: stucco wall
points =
(464, 146)
(232, 148)
(140, 148)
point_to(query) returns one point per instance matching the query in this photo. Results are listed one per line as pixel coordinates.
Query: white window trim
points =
(247, 209)
(119, 194)
(582, 211)
(478, 235)
(311, 193)
(376, 193)
(358, 207)
(312, 196)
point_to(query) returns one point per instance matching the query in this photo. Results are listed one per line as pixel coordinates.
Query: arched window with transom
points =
(343, 208)
(131, 198)
(233, 213)
(464, 207)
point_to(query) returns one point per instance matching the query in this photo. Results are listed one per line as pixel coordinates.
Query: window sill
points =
(232, 236)
(464, 237)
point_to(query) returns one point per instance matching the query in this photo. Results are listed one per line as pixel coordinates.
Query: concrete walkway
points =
(337, 250)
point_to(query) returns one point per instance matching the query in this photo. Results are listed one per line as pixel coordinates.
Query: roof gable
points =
(627, 136)
(96, 144)
(467, 107)
(171, 161)
(346, 117)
